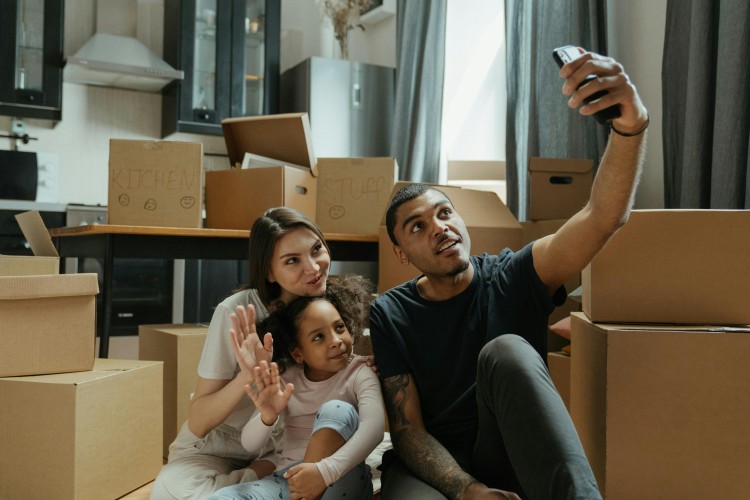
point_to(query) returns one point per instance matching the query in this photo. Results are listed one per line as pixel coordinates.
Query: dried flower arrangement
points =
(344, 15)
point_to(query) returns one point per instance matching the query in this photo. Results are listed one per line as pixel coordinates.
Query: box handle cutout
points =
(561, 179)
(300, 189)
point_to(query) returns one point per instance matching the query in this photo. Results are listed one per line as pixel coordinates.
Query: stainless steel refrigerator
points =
(351, 105)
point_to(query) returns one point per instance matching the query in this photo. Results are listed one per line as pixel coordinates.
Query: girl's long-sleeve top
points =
(357, 385)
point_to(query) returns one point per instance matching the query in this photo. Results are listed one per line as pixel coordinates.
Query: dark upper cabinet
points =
(31, 58)
(229, 51)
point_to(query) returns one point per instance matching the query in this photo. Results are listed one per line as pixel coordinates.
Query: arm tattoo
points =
(419, 450)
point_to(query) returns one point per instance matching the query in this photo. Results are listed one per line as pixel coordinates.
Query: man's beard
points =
(461, 267)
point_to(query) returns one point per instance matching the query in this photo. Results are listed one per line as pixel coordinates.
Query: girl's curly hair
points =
(350, 294)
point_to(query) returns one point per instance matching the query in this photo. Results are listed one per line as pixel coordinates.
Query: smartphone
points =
(563, 55)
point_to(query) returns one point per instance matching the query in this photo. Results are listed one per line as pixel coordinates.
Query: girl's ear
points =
(270, 277)
(297, 355)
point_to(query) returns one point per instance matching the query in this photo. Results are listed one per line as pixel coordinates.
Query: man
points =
(472, 410)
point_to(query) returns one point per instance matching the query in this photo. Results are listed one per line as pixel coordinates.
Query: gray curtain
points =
(539, 122)
(706, 104)
(420, 52)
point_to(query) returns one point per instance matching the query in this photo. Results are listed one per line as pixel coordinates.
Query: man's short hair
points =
(406, 193)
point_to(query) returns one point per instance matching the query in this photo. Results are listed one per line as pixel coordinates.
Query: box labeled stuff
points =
(47, 323)
(353, 193)
(86, 435)
(180, 348)
(558, 187)
(273, 165)
(672, 266)
(665, 405)
(155, 183)
(491, 226)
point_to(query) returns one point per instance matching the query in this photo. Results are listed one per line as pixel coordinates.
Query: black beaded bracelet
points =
(634, 133)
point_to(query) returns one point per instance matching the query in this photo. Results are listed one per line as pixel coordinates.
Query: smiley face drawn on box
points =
(124, 200)
(150, 205)
(187, 202)
(336, 212)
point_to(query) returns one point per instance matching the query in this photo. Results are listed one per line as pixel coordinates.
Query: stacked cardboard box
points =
(87, 428)
(273, 164)
(180, 348)
(557, 189)
(659, 380)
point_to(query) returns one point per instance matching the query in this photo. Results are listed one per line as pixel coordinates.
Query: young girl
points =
(288, 258)
(329, 399)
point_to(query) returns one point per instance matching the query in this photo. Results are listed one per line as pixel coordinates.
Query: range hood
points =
(119, 61)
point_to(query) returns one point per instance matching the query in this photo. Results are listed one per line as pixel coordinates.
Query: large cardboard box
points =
(85, 436)
(353, 193)
(673, 266)
(282, 145)
(180, 348)
(155, 183)
(491, 226)
(47, 323)
(662, 412)
(558, 187)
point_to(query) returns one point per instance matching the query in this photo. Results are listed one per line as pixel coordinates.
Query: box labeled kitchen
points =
(86, 435)
(491, 226)
(273, 165)
(672, 266)
(662, 410)
(558, 187)
(47, 323)
(155, 183)
(179, 346)
(353, 193)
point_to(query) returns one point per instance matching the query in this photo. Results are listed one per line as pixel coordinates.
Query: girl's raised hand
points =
(266, 392)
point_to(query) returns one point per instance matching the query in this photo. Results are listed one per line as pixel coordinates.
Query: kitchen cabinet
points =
(31, 51)
(229, 51)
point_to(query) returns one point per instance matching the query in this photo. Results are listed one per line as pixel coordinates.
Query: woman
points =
(288, 258)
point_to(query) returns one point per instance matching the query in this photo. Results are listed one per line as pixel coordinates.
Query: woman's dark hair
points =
(349, 294)
(266, 231)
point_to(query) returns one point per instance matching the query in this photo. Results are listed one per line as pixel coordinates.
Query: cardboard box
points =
(155, 183)
(47, 323)
(87, 435)
(491, 225)
(673, 266)
(236, 197)
(353, 193)
(662, 412)
(559, 370)
(45, 259)
(180, 348)
(558, 187)
(482, 175)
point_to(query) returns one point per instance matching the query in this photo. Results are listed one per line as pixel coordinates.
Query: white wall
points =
(636, 39)
(93, 115)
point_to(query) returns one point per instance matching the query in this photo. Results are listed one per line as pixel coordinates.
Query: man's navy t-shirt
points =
(438, 342)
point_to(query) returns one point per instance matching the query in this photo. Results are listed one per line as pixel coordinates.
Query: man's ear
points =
(400, 255)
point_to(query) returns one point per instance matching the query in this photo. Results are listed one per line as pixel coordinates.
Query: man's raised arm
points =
(560, 256)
